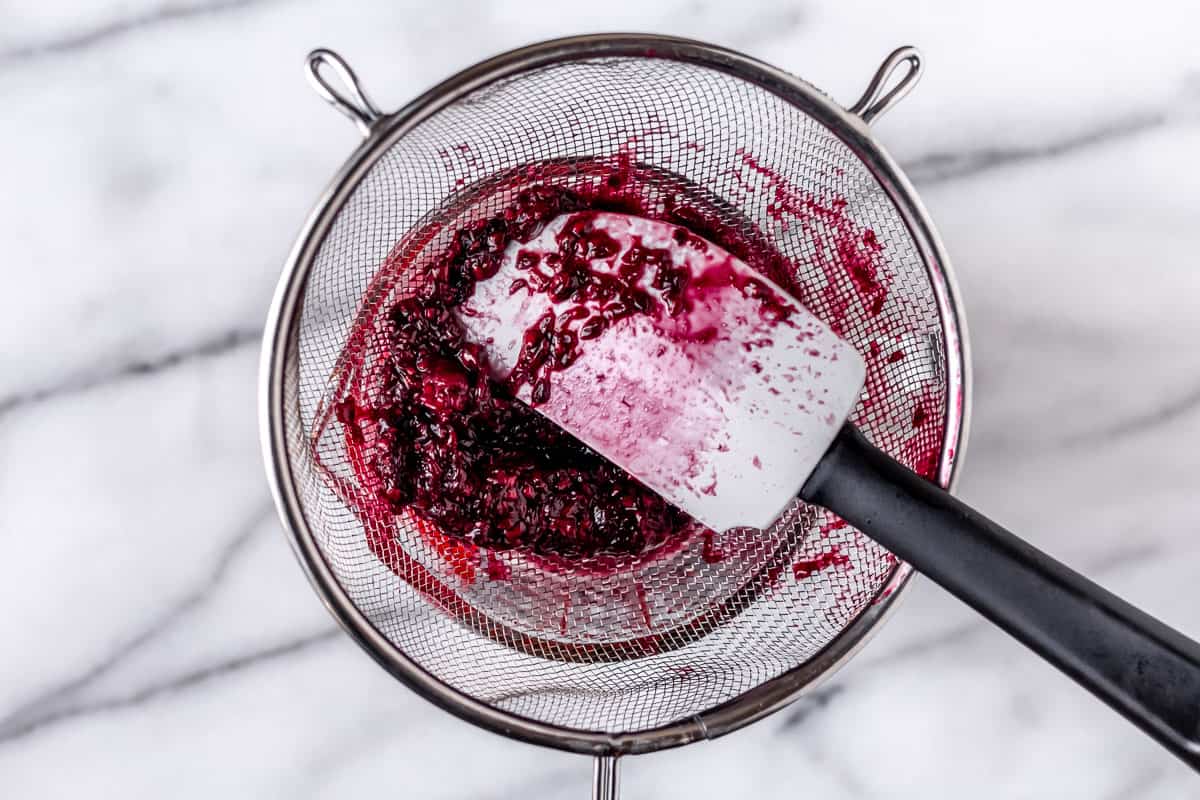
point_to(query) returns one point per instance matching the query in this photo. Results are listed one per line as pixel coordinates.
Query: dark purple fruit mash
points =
(463, 453)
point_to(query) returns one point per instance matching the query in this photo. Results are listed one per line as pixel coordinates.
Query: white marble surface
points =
(159, 155)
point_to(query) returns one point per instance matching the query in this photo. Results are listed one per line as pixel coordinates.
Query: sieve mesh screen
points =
(645, 641)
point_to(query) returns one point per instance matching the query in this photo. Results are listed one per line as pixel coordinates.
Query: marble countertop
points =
(158, 157)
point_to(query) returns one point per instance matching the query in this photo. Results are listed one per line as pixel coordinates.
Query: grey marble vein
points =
(937, 168)
(77, 384)
(1135, 554)
(1165, 413)
(177, 683)
(1137, 785)
(56, 703)
(832, 762)
(116, 28)
(809, 704)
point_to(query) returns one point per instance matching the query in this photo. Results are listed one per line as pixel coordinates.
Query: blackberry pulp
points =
(453, 446)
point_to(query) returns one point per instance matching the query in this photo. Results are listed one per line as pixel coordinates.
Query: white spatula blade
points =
(723, 409)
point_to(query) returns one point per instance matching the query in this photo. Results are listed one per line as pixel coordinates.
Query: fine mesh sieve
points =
(624, 654)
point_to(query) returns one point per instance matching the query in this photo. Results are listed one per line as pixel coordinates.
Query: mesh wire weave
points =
(664, 640)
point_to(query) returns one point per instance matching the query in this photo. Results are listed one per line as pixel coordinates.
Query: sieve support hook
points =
(875, 99)
(606, 780)
(349, 98)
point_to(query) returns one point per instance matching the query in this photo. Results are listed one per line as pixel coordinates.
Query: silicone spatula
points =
(730, 399)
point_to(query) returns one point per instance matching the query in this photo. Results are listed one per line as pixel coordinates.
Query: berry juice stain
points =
(497, 570)
(922, 450)
(643, 605)
(711, 552)
(833, 557)
(854, 295)
(566, 614)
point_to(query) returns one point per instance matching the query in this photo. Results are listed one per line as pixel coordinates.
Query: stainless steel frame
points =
(380, 132)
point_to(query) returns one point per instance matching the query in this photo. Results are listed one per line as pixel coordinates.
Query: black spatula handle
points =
(1147, 671)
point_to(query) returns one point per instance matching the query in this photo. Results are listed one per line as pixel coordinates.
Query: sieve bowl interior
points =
(634, 644)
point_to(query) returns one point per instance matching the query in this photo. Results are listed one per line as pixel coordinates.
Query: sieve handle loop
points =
(1145, 670)
(349, 98)
(875, 100)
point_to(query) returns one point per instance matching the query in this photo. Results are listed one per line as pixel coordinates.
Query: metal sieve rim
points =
(381, 132)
